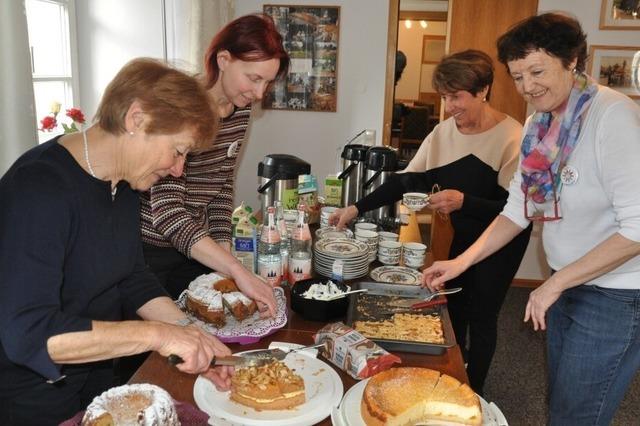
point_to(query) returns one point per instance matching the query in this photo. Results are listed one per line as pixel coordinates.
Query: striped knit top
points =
(179, 212)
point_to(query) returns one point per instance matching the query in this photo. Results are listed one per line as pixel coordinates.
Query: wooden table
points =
(157, 371)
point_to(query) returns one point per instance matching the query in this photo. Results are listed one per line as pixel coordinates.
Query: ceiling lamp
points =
(423, 24)
(407, 23)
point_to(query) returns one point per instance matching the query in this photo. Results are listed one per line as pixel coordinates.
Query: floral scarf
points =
(548, 143)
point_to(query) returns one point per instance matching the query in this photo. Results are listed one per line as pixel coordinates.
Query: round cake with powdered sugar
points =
(204, 301)
(139, 404)
(208, 296)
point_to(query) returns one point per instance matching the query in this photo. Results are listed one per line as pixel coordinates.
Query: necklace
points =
(86, 158)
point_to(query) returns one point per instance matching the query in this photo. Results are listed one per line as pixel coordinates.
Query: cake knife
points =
(250, 359)
(242, 361)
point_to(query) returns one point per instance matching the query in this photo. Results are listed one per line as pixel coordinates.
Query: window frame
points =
(71, 78)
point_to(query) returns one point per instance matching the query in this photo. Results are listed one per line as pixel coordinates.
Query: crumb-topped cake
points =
(273, 386)
(139, 404)
(408, 395)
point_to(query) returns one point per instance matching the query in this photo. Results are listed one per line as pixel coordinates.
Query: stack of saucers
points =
(353, 254)
(333, 232)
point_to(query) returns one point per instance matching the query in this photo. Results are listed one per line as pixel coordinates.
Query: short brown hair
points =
(469, 70)
(173, 100)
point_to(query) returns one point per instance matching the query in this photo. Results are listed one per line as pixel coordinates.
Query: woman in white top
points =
(577, 174)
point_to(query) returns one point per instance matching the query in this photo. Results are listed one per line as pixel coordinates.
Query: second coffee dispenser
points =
(380, 163)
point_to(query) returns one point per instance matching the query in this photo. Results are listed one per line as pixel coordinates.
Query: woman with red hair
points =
(186, 220)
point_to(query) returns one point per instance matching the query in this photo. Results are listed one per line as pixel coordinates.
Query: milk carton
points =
(244, 241)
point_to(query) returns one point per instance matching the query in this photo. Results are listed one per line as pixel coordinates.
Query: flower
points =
(50, 122)
(76, 115)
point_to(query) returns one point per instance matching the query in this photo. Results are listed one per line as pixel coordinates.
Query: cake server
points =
(409, 303)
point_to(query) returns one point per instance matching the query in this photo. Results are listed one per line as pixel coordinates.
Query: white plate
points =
(323, 389)
(396, 275)
(348, 412)
(341, 248)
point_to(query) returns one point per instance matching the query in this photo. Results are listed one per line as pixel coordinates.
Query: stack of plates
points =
(333, 232)
(353, 253)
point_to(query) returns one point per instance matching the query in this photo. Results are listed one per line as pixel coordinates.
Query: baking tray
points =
(390, 292)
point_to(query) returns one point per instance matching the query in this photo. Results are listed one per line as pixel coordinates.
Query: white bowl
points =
(366, 226)
(388, 236)
(389, 260)
(389, 248)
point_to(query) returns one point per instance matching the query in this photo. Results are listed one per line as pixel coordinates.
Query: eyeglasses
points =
(538, 215)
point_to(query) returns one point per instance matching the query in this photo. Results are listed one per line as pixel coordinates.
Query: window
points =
(53, 61)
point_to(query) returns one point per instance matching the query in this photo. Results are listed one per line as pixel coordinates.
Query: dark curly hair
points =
(556, 34)
(469, 70)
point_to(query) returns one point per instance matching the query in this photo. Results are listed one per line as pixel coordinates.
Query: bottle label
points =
(299, 269)
(271, 271)
(244, 244)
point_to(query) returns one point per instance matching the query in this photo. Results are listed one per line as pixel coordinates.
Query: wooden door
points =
(477, 25)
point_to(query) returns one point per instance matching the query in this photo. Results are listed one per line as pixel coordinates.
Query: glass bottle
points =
(284, 241)
(300, 253)
(269, 259)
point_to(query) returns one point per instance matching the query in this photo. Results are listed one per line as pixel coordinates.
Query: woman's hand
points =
(539, 302)
(341, 217)
(196, 347)
(440, 272)
(255, 288)
(220, 377)
(446, 201)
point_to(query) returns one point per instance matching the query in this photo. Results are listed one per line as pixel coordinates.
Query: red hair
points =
(250, 38)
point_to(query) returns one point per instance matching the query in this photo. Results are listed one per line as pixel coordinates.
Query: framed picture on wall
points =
(310, 35)
(620, 15)
(613, 66)
(433, 48)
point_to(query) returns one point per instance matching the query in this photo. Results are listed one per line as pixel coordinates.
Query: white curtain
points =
(207, 18)
(17, 111)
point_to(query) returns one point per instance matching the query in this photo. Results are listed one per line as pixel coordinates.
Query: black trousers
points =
(46, 404)
(474, 311)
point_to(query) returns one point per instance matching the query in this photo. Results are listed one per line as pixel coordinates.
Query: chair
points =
(415, 127)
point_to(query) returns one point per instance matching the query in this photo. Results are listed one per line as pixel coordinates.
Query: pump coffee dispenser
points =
(380, 163)
(278, 175)
(353, 171)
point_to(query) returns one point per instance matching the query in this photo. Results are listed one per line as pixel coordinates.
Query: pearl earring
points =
(131, 133)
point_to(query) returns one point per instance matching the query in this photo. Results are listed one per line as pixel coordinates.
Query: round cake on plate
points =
(139, 404)
(272, 386)
(410, 395)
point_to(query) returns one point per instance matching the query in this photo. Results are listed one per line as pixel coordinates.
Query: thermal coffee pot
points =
(353, 171)
(380, 163)
(278, 175)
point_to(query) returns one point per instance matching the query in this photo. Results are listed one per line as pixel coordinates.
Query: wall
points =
(316, 137)
(410, 42)
(110, 33)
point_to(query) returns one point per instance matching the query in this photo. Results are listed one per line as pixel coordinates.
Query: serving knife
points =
(248, 359)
